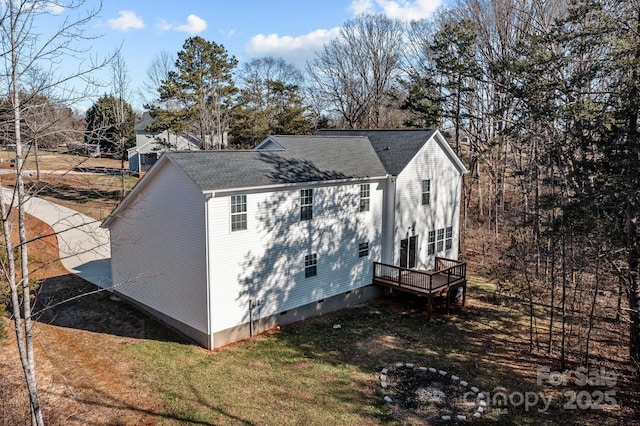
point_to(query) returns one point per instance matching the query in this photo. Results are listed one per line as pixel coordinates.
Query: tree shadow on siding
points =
(273, 276)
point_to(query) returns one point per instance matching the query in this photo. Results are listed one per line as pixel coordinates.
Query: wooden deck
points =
(448, 276)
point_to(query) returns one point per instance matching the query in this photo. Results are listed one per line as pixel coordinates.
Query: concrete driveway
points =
(84, 246)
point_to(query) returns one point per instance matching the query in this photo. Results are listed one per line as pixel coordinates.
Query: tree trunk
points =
(23, 320)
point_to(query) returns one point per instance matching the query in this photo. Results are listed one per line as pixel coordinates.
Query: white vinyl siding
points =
(413, 217)
(267, 263)
(158, 252)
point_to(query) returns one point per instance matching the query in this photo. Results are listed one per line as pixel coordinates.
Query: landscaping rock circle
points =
(420, 394)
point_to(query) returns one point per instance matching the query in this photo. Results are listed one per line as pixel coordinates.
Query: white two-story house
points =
(224, 244)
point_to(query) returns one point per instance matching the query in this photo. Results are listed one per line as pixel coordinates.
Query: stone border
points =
(481, 396)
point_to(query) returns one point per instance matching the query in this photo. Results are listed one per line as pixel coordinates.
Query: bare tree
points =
(269, 101)
(356, 72)
(23, 50)
(120, 86)
(157, 72)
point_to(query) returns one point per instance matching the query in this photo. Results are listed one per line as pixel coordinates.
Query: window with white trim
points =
(306, 204)
(310, 265)
(448, 239)
(238, 212)
(426, 192)
(440, 240)
(431, 246)
(365, 197)
(363, 249)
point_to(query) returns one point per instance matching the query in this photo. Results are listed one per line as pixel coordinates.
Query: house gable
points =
(158, 249)
(427, 203)
(397, 147)
(269, 144)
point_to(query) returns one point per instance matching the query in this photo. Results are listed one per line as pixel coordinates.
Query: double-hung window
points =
(448, 242)
(363, 249)
(426, 192)
(310, 265)
(365, 197)
(431, 247)
(238, 212)
(440, 240)
(306, 204)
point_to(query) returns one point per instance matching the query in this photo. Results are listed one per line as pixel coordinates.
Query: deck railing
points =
(402, 276)
(420, 280)
(452, 267)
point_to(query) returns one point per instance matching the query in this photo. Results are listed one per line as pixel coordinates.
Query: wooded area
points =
(539, 98)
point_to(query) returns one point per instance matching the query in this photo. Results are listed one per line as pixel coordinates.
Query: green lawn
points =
(311, 374)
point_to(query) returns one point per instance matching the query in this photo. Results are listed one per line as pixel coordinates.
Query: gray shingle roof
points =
(395, 147)
(304, 159)
(144, 121)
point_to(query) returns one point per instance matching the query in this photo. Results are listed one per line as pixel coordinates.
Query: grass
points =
(94, 194)
(104, 362)
(310, 373)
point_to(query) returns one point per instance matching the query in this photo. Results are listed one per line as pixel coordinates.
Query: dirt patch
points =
(377, 345)
(82, 377)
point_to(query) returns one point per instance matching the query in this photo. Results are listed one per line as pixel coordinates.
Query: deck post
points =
(448, 296)
(449, 274)
(464, 293)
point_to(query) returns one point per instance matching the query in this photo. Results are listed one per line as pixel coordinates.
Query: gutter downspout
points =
(207, 251)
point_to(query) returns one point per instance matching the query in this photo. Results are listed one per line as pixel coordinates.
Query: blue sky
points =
(291, 29)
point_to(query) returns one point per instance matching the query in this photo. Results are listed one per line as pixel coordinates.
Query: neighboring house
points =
(150, 145)
(217, 243)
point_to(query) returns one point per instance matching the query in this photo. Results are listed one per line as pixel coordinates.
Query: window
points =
(306, 204)
(432, 243)
(448, 242)
(238, 212)
(363, 249)
(440, 242)
(365, 197)
(426, 192)
(310, 265)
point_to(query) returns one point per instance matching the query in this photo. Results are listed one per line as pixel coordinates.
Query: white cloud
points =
(229, 33)
(163, 25)
(404, 10)
(361, 6)
(55, 8)
(296, 50)
(127, 20)
(194, 25)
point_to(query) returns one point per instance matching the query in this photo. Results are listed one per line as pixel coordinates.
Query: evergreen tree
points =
(201, 89)
(453, 49)
(269, 102)
(104, 125)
